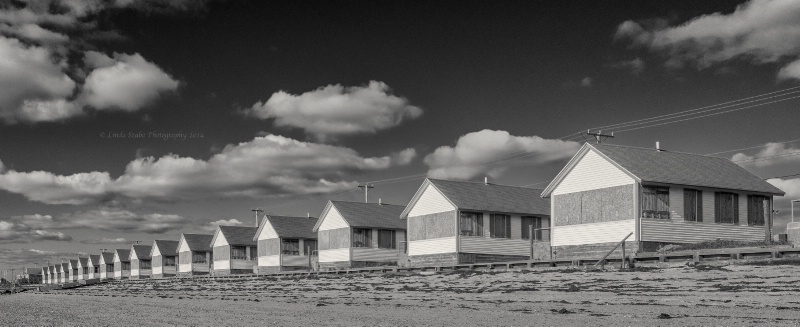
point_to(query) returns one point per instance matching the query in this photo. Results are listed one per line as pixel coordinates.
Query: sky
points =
(126, 120)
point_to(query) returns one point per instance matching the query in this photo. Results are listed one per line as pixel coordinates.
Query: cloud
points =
(336, 110)
(586, 82)
(268, 165)
(106, 219)
(212, 226)
(105, 240)
(772, 155)
(18, 258)
(760, 31)
(467, 158)
(636, 65)
(15, 232)
(790, 186)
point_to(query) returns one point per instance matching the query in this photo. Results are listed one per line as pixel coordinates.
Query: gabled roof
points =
(83, 262)
(236, 235)
(486, 197)
(33, 271)
(124, 255)
(108, 257)
(142, 251)
(167, 248)
(647, 165)
(289, 227)
(94, 259)
(73, 263)
(361, 214)
(198, 242)
(64, 266)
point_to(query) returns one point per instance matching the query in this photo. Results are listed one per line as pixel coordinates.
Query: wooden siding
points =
(432, 226)
(185, 267)
(334, 255)
(594, 206)
(183, 246)
(157, 261)
(269, 260)
(676, 204)
(502, 246)
(185, 257)
(604, 232)
(374, 254)
(333, 220)
(222, 265)
(158, 270)
(430, 202)
(267, 232)
(242, 264)
(680, 231)
(268, 247)
(295, 261)
(334, 239)
(590, 173)
(222, 253)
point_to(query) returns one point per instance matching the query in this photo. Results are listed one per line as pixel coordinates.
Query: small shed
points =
(106, 263)
(195, 254)
(164, 258)
(141, 262)
(122, 264)
(234, 250)
(285, 243)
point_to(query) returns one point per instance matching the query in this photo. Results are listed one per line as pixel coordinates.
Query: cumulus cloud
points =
(212, 226)
(761, 31)
(772, 155)
(106, 219)
(586, 82)
(17, 258)
(336, 110)
(636, 65)
(105, 240)
(268, 165)
(790, 186)
(467, 158)
(15, 232)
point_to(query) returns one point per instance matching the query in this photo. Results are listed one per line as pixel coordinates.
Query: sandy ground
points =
(680, 295)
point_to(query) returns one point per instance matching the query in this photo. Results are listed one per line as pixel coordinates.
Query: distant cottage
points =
(234, 250)
(83, 268)
(106, 265)
(93, 265)
(122, 264)
(195, 256)
(663, 197)
(164, 258)
(141, 262)
(72, 271)
(285, 243)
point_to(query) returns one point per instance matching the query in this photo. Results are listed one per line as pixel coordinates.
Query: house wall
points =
(222, 257)
(334, 244)
(186, 267)
(590, 173)
(513, 246)
(432, 225)
(430, 201)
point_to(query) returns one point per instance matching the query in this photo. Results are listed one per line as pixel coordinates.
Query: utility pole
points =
(366, 188)
(599, 136)
(257, 211)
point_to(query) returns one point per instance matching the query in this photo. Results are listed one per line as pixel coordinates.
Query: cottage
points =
(83, 268)
(72, 271)
(31, 275)
(164, 258)
(122, 264)
(455, 222)
(141, 262)
(93, 265)
(356, 234)
(45, 275)
(663, 197)
(106, 264)
(63, 271)
(234, 250)
(195, 255)
(55, 274)
(285, 243)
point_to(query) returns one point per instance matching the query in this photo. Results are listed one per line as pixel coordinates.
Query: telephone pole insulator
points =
(257, 212)
(366, 188)
(599, 137)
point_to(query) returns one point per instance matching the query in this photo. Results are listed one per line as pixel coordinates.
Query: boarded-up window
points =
(499, 226)
(238, 253)
(290, 246)
(471, 224)
(757, 208)
(362, 238)
(386, 239)
(540, 225)
(126, 266)
(253, 253)
(655, 202)
(109, 268)
(169, 261)
(198, 257)
(145, 264)
(726, 208)
(692, 205)
(310, 246)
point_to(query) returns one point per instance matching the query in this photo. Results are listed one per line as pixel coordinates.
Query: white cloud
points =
(773, 154)
(15, 232)
(105, 240)
(466, 159)
(762, 31)
(212, 226)
(129, 84)
(34, 32)
(586, 82)
(636, 65)
(790, 186)
(336, 110)
(106, 219)
(46, 187)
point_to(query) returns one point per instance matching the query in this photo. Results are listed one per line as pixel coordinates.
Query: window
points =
(471, 224)
(169, 261)
(541, 228)
(126, 266)
(692, 205)
(757, 209)
(96, 269)
(655, 202)
(362, 238)
(499, 226)
(85, 270)
(198, 257)
(726, 208)
(310, 246)
(290, 246)
(109, 268)
(238, 253)
(253, 253)
(144, 264)
(386, 239)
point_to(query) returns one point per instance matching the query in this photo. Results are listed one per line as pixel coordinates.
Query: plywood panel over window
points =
(268, 247)
(601, 205)
(334, 238)
(432, 226)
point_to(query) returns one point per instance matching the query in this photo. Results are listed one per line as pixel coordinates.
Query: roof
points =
(487, 197)
(198, 242)
(648, 165)
(124, 255)
(362, 214)
(73, 263)
(166, 247)
(238, 235)
(83, 262)
(64, 266)
(95, 259)
(289, 227)
(142, 251)
(33, 271)
(108, 257)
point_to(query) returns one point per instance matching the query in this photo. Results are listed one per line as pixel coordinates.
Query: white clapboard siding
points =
(183, 246)
(167, 270)
(185, 267)
(295, 261)
(269, 260)
(432, 246)
(605, 232)
(242, 264)
(374, 254)
(334, 255)
(502, 246)
(222, 264)
(158, 270)
(679, 231)
(333, 220)
(590, 173)
(676, 202)
(431, 201)
(267, 232)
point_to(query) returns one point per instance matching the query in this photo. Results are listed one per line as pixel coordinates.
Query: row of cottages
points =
(356, 234)
(141, 262)
(234, 250)
(72, 271)
(82, 268)
(122, 264)
(106, 264)
(606, 192)
(194, 255)
(285, 243)
(454, 222)
(164, 258)
(93, 266)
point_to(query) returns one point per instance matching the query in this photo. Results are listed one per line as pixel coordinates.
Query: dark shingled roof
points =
(238, 235)
(124, 255)
(108, 257)
(493, 197)
(64, 267)
(83, 261)
(289, 227)
(651, 165)
(142, 251)
(198, 242)
(73, 263)
(361, 214)
(33, 271)
(166, 247)
(95, 259)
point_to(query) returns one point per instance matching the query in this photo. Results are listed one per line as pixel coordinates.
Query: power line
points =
(784, 176)
(753, 147)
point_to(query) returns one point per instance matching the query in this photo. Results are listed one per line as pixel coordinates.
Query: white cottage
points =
(83, 268)
(234, 250)
(285, 243)
(164, 258)
(663, 197)
(456, 222)
(122, 264)
(195, 256)
(72, 271)
(106, 264)
(93, 265)
(141, 262)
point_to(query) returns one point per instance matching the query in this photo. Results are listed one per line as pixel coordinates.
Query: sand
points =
(767, 294)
